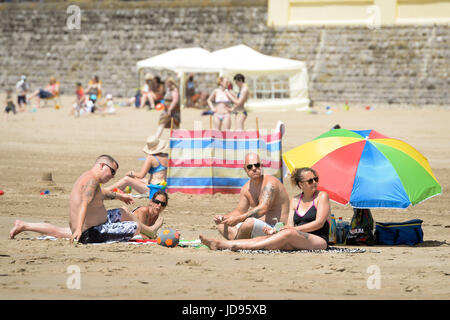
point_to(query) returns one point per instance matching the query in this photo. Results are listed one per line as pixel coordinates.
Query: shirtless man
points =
(267, 197)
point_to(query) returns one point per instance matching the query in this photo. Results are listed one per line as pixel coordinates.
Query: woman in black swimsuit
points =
(307, 226)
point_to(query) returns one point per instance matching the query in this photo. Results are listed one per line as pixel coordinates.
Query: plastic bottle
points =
(347, 228)
(332, 234)
(340, 231)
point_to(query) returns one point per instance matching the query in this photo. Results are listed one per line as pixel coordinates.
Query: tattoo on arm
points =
(254, 213)
(111, 195)
(303, 234)
(89, 189)
(268, 194)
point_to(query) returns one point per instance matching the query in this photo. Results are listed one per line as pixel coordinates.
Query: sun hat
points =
(149, 76)
(109, 96)
(155, 145)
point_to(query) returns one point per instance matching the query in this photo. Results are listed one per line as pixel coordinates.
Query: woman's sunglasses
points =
(250, 166)
(310, 181)
(162, 203)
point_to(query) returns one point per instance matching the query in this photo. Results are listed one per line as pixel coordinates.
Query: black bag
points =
(361, 228)
(393, 233)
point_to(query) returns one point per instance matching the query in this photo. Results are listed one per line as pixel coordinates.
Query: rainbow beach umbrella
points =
(366, 169)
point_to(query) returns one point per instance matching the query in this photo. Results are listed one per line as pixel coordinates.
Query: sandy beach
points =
(50, 140)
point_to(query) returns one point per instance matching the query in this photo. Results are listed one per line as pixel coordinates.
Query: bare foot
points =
(19, 226)
(210, 243)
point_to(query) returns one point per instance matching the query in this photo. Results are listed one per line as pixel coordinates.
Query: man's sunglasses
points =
(113, 171)
(162, 203)
(310, 181)
(250, 166)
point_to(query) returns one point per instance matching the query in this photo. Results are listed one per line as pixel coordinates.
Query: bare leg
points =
(137, 184)
(240, 119)
(287, 239)
(217, 123)
(159, 131)
(245, 230)
(227, 123)
(152, 98)
(143, 100)
(227, 232)
(41, 227)
(34, 94)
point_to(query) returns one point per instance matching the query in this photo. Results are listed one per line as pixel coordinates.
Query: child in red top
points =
(79, 105)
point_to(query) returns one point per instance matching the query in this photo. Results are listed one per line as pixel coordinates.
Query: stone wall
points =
(399, 65)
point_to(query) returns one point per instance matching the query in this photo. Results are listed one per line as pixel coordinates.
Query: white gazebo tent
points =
(276, 84)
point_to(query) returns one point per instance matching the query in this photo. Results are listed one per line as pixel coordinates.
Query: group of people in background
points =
(88, 100)
(223, 102)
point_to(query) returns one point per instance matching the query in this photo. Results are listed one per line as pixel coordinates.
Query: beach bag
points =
(361, 228)
(394, 233)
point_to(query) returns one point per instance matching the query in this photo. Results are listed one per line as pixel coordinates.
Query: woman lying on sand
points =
(307, 226)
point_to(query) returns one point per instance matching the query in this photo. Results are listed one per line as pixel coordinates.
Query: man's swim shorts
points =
(111, 230)
(258, 227)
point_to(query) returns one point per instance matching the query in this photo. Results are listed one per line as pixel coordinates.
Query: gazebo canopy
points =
(276, 84)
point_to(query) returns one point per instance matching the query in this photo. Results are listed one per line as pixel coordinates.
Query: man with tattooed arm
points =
(263, 202)
(90, 222)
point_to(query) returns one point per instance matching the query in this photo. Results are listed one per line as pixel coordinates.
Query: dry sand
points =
(50, 140)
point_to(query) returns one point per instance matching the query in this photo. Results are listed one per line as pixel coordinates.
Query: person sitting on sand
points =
(265, 194)
(148, 217)
(155, 164)
(49, 92)
(307, 226)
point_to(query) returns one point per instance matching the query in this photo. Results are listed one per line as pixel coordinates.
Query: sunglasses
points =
(310, 181)
(113, 171)
(162, 203)
(250, 166)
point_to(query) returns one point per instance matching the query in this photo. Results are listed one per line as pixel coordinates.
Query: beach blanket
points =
(138, 240)
(212, 161)
(328, 250)
(197, 244)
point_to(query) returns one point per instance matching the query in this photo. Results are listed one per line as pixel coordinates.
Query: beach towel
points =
(328, 250)
(197, 244)
(212, 161)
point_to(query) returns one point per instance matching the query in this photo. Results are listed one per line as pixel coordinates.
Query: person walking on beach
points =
(22, 88)
(265, 195)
